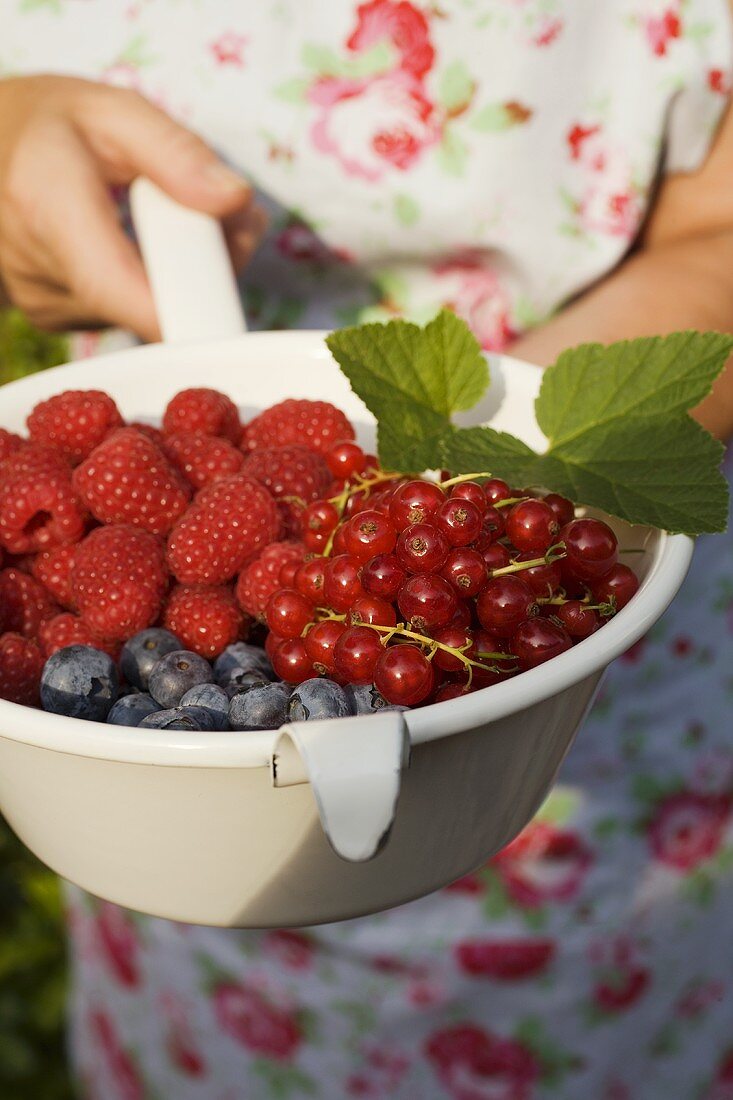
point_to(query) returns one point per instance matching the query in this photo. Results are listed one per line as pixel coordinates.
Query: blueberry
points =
(365, 699)
(244, 657)
(239, 680)
(211, 698)
(142, 652)
(319, 698)
(79, 681)
(131, 709)
(175, 674)
(260, 707)
(193, 719)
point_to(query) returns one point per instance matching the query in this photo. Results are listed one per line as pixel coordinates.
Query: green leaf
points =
(412, 380)
(500, 454)
(452, 152)
(294, 90)
(456, 86)
(491, 118)
(406, 209)
(324, 61)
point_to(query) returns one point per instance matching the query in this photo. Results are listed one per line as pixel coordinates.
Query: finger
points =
(243, 232)
(47, 306)
(133, 138)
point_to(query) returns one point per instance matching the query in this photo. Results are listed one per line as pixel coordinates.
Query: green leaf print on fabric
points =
(455, 87)
(554, 1062)
(283, 1081)
(452, 152)
(407, 210)
(294, 90)
(379, 58)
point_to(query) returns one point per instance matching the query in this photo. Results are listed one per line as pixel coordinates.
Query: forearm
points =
(687, 284)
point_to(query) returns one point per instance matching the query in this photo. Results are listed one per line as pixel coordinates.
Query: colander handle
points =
(354, 767)
(188, 265)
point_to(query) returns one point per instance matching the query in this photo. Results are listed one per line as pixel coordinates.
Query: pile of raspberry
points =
(107, 527)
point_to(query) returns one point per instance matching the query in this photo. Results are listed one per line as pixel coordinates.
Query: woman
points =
(517, 160)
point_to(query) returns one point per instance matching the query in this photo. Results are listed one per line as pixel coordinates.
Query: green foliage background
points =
(32, 951)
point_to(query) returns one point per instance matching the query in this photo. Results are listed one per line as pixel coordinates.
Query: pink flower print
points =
(293, 949)
(128, 1085)
(227, 49)
(577, 137)
(635, 653)
(543, 864)
(719, 81)
(360, 1084)
(722, 1086)
(505, 960)
(180, 1039)
(622, 979)
(383, 1073)
(699, 998)
(424, 993)
(687, 828)
(614, 213)
(662, 27)
(473, 1064)
(373, 126)
(299, 243)
(470, 287)
(119, 945)
(252, 1021)
(550, 28)
(470, 885)
(713, 772)
(402, 25)
(682, 646)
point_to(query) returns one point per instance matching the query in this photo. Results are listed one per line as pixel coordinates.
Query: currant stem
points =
(460, 479)
(554, 553)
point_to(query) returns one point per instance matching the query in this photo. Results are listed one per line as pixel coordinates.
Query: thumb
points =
(133, 137)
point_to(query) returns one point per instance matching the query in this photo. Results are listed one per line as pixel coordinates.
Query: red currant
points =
(342, 583)
(531, 525)
(459, 520)
(484, 644)
(383, 576)
(339, 541)
(470, 490)
(320, 518)
(403, 675)
(563, 508)
(422, 548)
(427, 602)
(504, 603)
(369, 533)
(286, 576)
(465, 570)
(414, 502)
(591, 547)
(357, 502)
(456, 638)
(578, 620)
(492, 528)
(309, 579)
(463, 615)
(544, 580)
(450, 691)
(538, 640)
(495, 489)
(356, 653)
(288, 613)
(291, 662)
(495, 556)
(367, 610)
(345, 459)
(319, 644)
(619, 584)
(572, 584)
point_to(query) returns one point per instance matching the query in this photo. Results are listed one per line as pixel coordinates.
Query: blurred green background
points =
(32, 949)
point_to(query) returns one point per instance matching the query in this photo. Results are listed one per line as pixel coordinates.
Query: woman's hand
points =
(64, 143)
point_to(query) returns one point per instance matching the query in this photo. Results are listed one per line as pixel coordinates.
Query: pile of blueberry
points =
(164, 686)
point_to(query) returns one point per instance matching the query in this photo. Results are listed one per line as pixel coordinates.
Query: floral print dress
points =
(496, 156)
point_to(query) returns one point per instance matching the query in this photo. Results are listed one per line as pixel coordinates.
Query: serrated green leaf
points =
(470, 450)
(412, 379)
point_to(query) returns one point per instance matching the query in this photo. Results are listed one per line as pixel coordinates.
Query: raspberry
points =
(203, 411)
(53, 569)
(21, 665)
(127, 479)
(202, 459)
(67, 629)
(25, 602)
(205, 617)
(227, 524)
(118, 580)
(39, 507)
(315, 424)
(153, 434)
(292, 471)
(9, 442)
(260, 578)
(75, 422)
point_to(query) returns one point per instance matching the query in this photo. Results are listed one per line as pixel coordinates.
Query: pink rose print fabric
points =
(496, 157)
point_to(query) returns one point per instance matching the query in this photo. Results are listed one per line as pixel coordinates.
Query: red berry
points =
(465, 570)
(356, 653)
(291, 471)
(318, 521)
(339, 541)
(21, 665)
(532, 525)
(290, 661)
(357, 502)
(205, 617)
(262, 576)
(463, 615)
(450, 691)
(39, 507)
(227, 524)
(538, 640)
(319, 645)
(492, 528)
(577, 619)
(459, 520)
(310, 579)
(68, 629)
(127, 479)
(403, 675)
(591, 547)
(427, 602)
(9, 443)
(371, 610)
(414, 502)
(383, 576)
(457, 638)
(286, 575)
(495, 489)
(288, 613)
(368, 534)
(74, 422)
(202, 459)
(118, 580)
(504, 603)
(53, 569)
(484, 645)
(472, 491)
(314, 424)
(203, 411)
(422, 548)
(544, 580)
(24, 603)
(345, 459)
(342, 584)
(495, 556)
(619, 584)
(563, 508)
